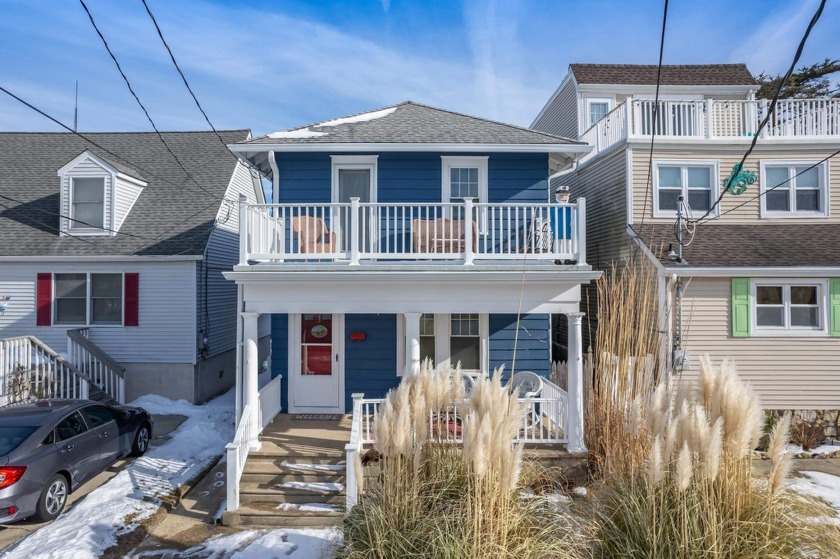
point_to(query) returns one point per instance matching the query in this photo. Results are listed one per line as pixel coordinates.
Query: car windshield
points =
(11, 437)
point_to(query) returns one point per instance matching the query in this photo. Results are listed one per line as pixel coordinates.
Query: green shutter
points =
(740, 307)
(834, 307)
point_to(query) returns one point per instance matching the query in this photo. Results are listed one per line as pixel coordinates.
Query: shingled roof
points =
(754, 245)
(645, 74)
(171, 207)
(412, 123)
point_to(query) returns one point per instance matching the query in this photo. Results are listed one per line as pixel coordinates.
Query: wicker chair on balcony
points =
(313, 236)
(442, 235)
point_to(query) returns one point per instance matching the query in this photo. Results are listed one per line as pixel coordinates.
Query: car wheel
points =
(52, 499)
(141, 441)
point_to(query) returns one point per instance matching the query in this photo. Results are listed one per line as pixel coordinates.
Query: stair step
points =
(270, 449)
(275, 477)
(279, 488)
(295, 466)
(278, 497)
(267, 514)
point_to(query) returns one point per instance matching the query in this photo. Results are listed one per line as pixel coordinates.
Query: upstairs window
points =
(596, 109)
(87, 203)
(694, 181)
(794, 189)
(464, 177)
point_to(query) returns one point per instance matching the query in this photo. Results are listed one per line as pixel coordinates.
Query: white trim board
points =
(244, 149)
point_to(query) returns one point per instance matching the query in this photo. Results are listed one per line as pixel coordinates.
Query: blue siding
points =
(370, 364)
(414, 177)
(532, 352)
(280, 354)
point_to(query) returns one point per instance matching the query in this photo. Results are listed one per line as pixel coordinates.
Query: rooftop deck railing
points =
(358, 232)
(791, 119)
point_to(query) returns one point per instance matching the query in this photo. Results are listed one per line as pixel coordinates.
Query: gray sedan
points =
(49, 448)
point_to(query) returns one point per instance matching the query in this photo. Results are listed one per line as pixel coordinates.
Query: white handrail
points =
(270, 401)
(30, 369)
(351, 450)
(237, 454)
(97, 365)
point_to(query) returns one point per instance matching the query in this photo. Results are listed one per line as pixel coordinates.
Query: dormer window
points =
(87, 207)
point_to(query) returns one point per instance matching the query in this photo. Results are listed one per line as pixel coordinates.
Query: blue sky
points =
(268, 65)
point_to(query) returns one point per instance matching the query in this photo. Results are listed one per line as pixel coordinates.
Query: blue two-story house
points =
(403, 234)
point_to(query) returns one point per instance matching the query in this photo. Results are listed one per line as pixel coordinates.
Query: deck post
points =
(250, 328)
(469, 253)
(581, 230)
(575, 384)
(354, 231)
(412, 342)
(243, 230)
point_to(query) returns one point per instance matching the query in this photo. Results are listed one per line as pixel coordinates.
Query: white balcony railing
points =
(724, 119)
(355, 232)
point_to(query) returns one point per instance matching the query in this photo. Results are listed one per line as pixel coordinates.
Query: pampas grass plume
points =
(684, 468)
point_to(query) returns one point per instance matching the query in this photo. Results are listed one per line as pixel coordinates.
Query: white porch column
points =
(412, 342)
(575, 386)
(250, 361)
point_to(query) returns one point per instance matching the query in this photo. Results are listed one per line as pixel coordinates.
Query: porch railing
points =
(358, 232)
(97, 365)
(726, 119)
(29, 369)
(545, 421)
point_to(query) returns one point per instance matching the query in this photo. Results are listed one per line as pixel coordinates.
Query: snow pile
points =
(93, 524)
(303, 543)
(364, 117)
(819, 484)
(818, 451)
(297, 134)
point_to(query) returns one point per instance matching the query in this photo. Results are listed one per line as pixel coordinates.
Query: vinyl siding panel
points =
(166, 333)
(750, 212)
(413, 177)
(216, 311)
(370, 364)
(561, 116)
(125, 196)
(787, 372)
(532, 348)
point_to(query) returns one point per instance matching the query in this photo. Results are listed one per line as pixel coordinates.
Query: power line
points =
(22, 214)
(181, 73)
(770, 110)
(137, 98)
(649, 182)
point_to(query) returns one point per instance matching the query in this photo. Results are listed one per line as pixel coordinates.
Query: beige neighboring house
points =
(760, 278)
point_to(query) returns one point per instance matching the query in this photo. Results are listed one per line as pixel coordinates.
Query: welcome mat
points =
(316, 416)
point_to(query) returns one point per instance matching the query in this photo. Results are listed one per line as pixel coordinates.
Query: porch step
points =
(296, 464)
(252, 492)
(277, 477)
(299, 452)
(268, 514)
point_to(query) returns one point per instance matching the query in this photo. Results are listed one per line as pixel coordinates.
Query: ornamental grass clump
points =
(434, 498)
(696, 494)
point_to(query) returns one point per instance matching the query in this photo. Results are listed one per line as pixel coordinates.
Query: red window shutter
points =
(132, 300)
(43, 296)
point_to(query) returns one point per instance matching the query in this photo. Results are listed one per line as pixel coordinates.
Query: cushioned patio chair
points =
(313, 236)
(442, 235)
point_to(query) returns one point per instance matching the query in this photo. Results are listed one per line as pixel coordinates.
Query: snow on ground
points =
(819, 484)
(299, 133)
(93, 524)
(301, 543)
(822, 449)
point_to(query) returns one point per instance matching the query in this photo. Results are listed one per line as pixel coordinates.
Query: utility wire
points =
(770, 110)
(181, 73)
(28, 217)
(137, 98)
(649, 182)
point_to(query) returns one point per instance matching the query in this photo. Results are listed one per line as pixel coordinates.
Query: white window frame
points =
(684, 164)
(450, 162)
(78, 228)
(442, 347)
(88, 300)
(787, 330)
(358, 162)
(589, 101)
(823, 173)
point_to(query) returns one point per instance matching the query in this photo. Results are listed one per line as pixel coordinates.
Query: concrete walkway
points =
(12, 533)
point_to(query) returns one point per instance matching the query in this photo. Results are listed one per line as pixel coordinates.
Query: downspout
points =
(559, 174)
(275, 179)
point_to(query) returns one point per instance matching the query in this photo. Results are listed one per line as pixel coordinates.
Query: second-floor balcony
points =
(723, 119)
(357, 233)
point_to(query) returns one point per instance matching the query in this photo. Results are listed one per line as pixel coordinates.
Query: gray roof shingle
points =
(645, 74)
(411, 122)
(753, 245)
(171, 207)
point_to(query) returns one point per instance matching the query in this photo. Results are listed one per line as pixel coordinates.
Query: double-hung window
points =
(465, 341)
(83, 299)
(695, 182)
(464, 177)
(794, 189)
(87, 206)
(789, 307)
(596, 109)
(449, 339)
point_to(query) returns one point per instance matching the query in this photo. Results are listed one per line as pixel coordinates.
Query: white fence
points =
(356, 232)
(714, 119)
(246, 433)
(545, 422)
(30, 369)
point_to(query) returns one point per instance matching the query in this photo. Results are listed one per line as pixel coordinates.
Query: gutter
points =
(112, 258)
(243, 149)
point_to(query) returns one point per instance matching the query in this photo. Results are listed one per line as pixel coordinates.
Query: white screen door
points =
(317, 363)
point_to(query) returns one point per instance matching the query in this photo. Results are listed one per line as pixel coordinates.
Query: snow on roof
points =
(299, 133)
(364, 117)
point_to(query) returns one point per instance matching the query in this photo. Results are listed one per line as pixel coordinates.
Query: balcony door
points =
(353, 176)
(316, 363)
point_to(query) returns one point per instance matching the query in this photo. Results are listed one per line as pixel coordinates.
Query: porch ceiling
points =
(543, 289)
